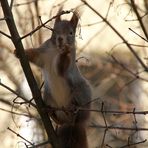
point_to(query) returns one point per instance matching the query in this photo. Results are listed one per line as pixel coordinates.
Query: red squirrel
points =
(64, 86)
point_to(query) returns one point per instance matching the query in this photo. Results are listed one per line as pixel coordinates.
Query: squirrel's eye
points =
(71, 33)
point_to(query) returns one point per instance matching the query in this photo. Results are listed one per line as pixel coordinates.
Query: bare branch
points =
(20, 136)
(11, 4)
(24, 3)
(124, 40)
(138, 34)
(130, 144)
(1, 19)
(136, 75)
(139, 18)
(92, 24)
(114, 112)
(5, 34)
(111, 127)
(28, 73)
(39, 145)
(18, 95)
(133, 144)
(43, 24)
(15, 113)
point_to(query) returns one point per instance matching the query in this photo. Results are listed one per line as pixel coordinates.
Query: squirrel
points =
(64, 86)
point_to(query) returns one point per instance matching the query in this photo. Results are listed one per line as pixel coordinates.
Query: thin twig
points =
(91, 39)
(20, 136)
(136, 75)
(102, 111)
(39, 145)
(11, 4)
(2, 19)
(43, 24)
(138, 45)
(138, 35)
(135, 143)
(59, 4)
(110, 127)
(92, 24)
(124, 40)
(15, 113)
(24, 3)
(114, 112)
(3, 33)
(48, 27)
(18, 95)
(108, 146)
(128, 83)
(139, 18)
(110, 4)
(104, 135)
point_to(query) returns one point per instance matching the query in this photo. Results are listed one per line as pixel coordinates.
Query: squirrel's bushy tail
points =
(73, 136)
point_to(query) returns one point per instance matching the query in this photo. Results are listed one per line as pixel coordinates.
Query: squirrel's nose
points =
(60, 39)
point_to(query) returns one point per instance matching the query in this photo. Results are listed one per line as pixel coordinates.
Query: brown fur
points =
(64, 87)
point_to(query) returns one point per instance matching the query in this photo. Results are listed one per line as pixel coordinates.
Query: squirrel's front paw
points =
(65, 49)
(15, 53)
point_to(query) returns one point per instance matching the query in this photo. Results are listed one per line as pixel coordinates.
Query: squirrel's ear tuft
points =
(74, 20)
(58, 18)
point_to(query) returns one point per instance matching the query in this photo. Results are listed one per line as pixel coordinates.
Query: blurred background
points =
(119, 80)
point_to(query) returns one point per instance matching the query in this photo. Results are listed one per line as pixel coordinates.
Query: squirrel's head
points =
(64, 30)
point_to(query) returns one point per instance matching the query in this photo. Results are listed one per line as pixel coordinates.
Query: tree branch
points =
(122, 38)
(28, 73)
(14, 92)
(3, 33)
(43, 24)
(139, 18)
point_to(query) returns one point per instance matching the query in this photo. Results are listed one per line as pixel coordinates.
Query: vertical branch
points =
(28, 73)
(105, 122)
(139, 18)
(11, 4)
(36, 5)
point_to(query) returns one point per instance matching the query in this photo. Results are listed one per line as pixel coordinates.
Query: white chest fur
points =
(58, 87)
